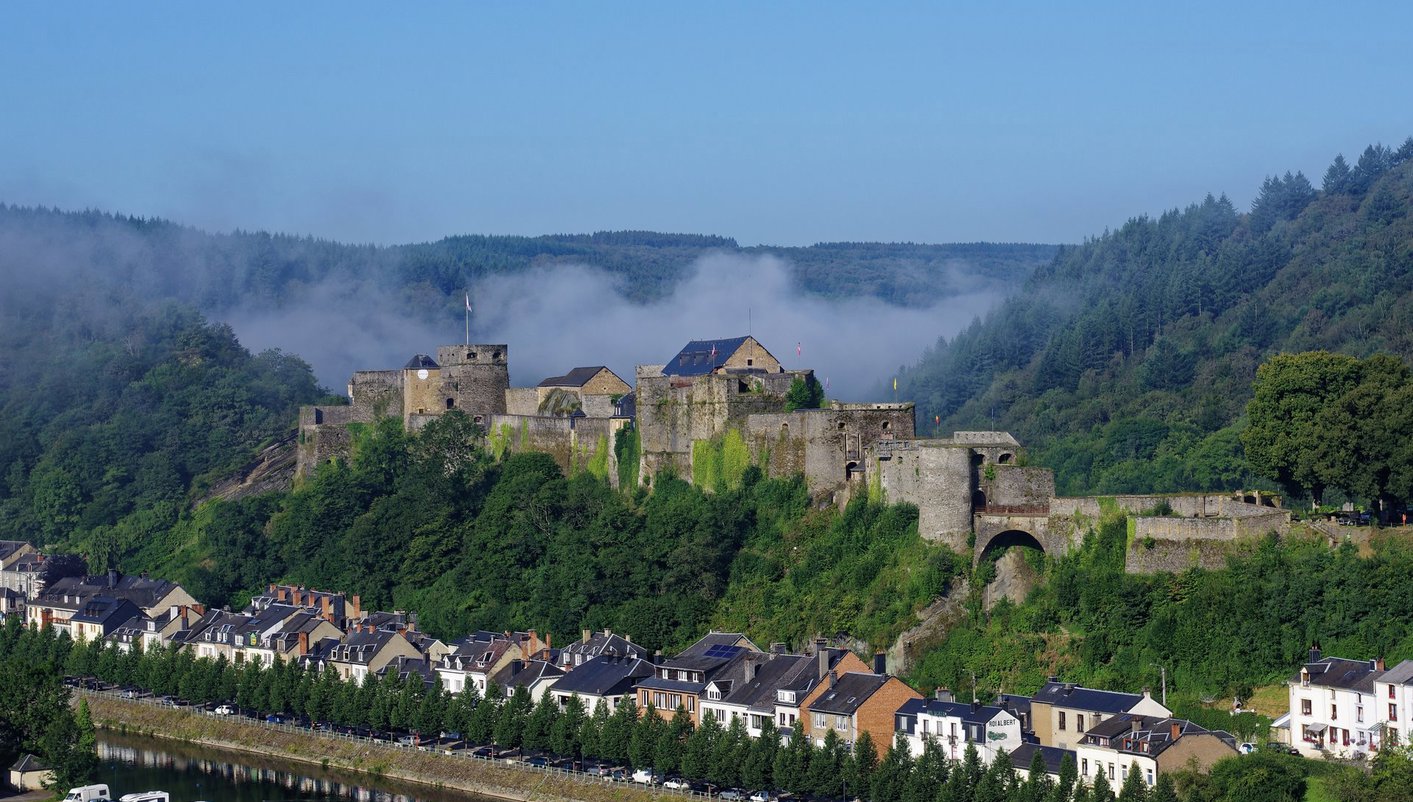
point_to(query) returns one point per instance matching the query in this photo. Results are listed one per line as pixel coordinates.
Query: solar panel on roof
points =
(723, 650)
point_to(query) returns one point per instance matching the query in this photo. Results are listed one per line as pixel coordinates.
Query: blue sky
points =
(775, 123)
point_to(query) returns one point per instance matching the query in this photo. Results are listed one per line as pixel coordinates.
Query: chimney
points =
(357, 607)
(880, 663)
(1379, 664)
(822, 655)
(304, 643)
(1314, 653)
(1069, 688)
(1176, 729)
(112, 577)
(628, 638)
(1135, 725)
(777, 648)
(975, 705)
(584, 636)
(833, 677)
(942, 695)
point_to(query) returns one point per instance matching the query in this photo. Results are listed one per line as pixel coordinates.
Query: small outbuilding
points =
(30, 774)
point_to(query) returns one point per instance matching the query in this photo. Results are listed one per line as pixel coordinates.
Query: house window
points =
(691, 704)
(1111, 772)
(1390, 692)
(819, 721)
(1148, 776)
(1084, 767)
(1304, 707)
(1392, 712)
(714, 694)
(1062, 719)
(1079, 722)
(1359, 714)
(1334, 712)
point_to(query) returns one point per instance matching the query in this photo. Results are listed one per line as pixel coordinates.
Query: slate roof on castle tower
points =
(420, 361)
(700, 357)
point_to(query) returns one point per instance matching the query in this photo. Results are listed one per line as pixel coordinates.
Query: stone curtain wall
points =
(936, 477)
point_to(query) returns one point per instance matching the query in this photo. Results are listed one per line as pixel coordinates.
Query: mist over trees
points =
(1127, 362)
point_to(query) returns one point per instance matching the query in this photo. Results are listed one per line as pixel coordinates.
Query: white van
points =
(146, 796)
(87, 793)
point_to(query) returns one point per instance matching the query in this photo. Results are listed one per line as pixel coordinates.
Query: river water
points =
(131, 763)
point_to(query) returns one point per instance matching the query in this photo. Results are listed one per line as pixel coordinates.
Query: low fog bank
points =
(561, 317)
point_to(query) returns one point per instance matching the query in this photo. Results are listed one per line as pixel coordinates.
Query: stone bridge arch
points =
(994, 532)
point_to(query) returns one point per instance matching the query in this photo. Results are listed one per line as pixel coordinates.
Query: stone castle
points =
(973, 491)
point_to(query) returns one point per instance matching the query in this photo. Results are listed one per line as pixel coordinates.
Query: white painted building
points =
(1393, 699)
(952, 725)
(1333, 709)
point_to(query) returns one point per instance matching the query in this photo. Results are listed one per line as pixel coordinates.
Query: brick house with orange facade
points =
(852, 702)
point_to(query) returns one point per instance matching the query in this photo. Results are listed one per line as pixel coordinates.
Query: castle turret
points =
(473, 379)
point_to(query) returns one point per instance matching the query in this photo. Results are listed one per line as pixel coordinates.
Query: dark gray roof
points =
(1015, 703)
(764, 674)
(1078, 697)
(524, 672)
(140, 590)
(105, 611)
(577, 377)
(420, 361)
(700, 357)
(978, 714)
(1337, 672)
(848, 693)
(28, 762)
(1401, 674)
(597, 644)
(627, 406)
(605, 676)
(1146, 734)
(1024, 754)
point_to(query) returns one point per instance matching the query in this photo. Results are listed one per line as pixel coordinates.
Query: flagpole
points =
(468, 317)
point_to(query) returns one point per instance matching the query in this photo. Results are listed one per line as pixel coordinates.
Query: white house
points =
(1149, 745)
(1333, 708)
(1393, 699)
(952, 725)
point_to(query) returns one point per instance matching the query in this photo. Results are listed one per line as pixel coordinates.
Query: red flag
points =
(798, 350)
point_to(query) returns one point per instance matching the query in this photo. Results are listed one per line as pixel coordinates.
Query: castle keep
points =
(729, 401)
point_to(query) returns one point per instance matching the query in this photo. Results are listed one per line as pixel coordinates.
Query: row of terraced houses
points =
(724, 675)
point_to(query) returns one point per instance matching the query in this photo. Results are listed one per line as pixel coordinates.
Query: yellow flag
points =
(895, 384)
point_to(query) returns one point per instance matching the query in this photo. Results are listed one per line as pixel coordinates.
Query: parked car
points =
(407, 740)
(676, 784)
(274, 718)
(538, 761)
(644, 776)
(761, 796)
(731, 795)
(225, 710)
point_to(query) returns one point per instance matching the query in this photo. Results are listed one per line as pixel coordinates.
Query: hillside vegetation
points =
(1127, 362)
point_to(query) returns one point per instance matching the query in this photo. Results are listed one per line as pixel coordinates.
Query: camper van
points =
(146, 796)
(87, 793)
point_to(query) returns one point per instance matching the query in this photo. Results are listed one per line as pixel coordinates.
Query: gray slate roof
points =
(848, 693)
(1337, 672)
(1401, 674)
(1023, 755)
(1077, 697)
(605, 676)
(697, 358)
(420, 361)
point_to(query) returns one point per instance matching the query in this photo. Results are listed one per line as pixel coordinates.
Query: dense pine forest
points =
(1126, 363)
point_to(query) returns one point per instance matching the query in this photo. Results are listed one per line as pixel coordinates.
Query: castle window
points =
(1004, 459)
(885, 425)
(477, 419)
(451, 403)
(750, 362)
(784, 427)
(495, 355)
(742, 387)
(841, 426)
(470, 355)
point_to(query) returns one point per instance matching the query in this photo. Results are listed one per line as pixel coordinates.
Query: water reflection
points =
(188, 772)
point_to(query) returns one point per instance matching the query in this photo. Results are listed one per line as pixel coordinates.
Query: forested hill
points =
(1127, 362)
(217, 271)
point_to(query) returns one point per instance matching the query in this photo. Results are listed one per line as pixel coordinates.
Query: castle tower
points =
(473, 378)
(421, 388)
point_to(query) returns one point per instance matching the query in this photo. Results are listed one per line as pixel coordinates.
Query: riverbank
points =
(458, 773)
